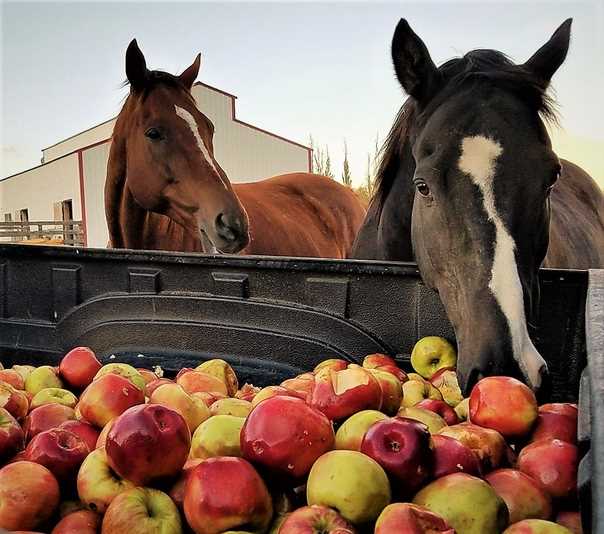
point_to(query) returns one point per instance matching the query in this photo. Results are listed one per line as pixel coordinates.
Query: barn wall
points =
(39, 188)
(85, 138)
(94, 166)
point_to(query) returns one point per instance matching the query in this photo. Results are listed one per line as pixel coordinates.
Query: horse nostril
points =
(228, 228)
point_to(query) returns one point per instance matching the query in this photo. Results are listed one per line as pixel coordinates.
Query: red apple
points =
(225, 493)
(339, 394)
(97, 483)
(403, 448)
(452, 456)
(489, 445)
(12, 438)
(552, 463)
(193, 409)
(152, 386)
(405, 518)
(197, 381)
(13, 400)
(60, 451)
(29, 495)
(148, 376)
(148, 442)
(287, 435)
(396, 371)
(79, 522)
(333, 363)
(142, 511)
(86, 431)
(247, 392)
(556, 421)
(177, 492)
(107, 397)
(536, 526)
(503, 404)
(373, 361)
(10, 376)
(570, 520)
(46, 417)
(316, 519)
(522, 494)
(441, 408)
(564, 408)
(78, 367)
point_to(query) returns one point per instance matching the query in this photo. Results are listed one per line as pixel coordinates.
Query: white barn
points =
(70, 182)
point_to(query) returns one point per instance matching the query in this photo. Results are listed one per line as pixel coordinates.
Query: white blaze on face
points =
(190, 120)
(478, 160)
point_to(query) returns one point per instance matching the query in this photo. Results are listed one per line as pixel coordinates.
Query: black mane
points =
(477, 66)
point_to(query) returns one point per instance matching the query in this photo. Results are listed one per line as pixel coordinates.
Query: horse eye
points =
(153, 133)
(422, 188)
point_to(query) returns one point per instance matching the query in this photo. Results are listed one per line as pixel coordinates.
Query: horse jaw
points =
(478, 160)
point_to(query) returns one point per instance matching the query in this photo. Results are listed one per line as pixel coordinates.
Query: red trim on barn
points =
(83, 195)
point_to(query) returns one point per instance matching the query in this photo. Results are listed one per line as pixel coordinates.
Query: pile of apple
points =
(88, 448)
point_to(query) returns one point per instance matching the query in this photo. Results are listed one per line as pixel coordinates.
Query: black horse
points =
(470, 188)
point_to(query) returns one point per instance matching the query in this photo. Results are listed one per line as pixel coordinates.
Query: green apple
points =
(231, 406)
(431, 354)
(415, 391)
(470, 505)
(351, 483)
(217, 436)
(41, 378)
(351, 432)
(462, 409)
(432, 420)
(125, 370)
(97, 483)
(53, 395)
(142, 511)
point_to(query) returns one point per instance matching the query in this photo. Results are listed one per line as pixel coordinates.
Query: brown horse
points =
(165, 190)
(470, 188)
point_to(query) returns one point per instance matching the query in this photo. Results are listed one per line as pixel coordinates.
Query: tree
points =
(346, 177)
(321, 162)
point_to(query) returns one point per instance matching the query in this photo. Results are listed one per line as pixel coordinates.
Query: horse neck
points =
(125, 218)
(394, 222)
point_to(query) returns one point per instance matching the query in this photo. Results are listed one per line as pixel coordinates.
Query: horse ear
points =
(190, 74)
(136, 66)
(546, 61)
(413, 65)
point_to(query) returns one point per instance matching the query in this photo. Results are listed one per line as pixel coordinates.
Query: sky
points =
(298, 69)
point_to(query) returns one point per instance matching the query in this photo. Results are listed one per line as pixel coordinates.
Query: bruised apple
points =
(405, 518)
(339, 394)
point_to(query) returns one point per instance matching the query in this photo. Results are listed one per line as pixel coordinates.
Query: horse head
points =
(170, 166)
(471, 147)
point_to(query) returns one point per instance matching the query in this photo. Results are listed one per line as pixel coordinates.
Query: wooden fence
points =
(43, 232)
